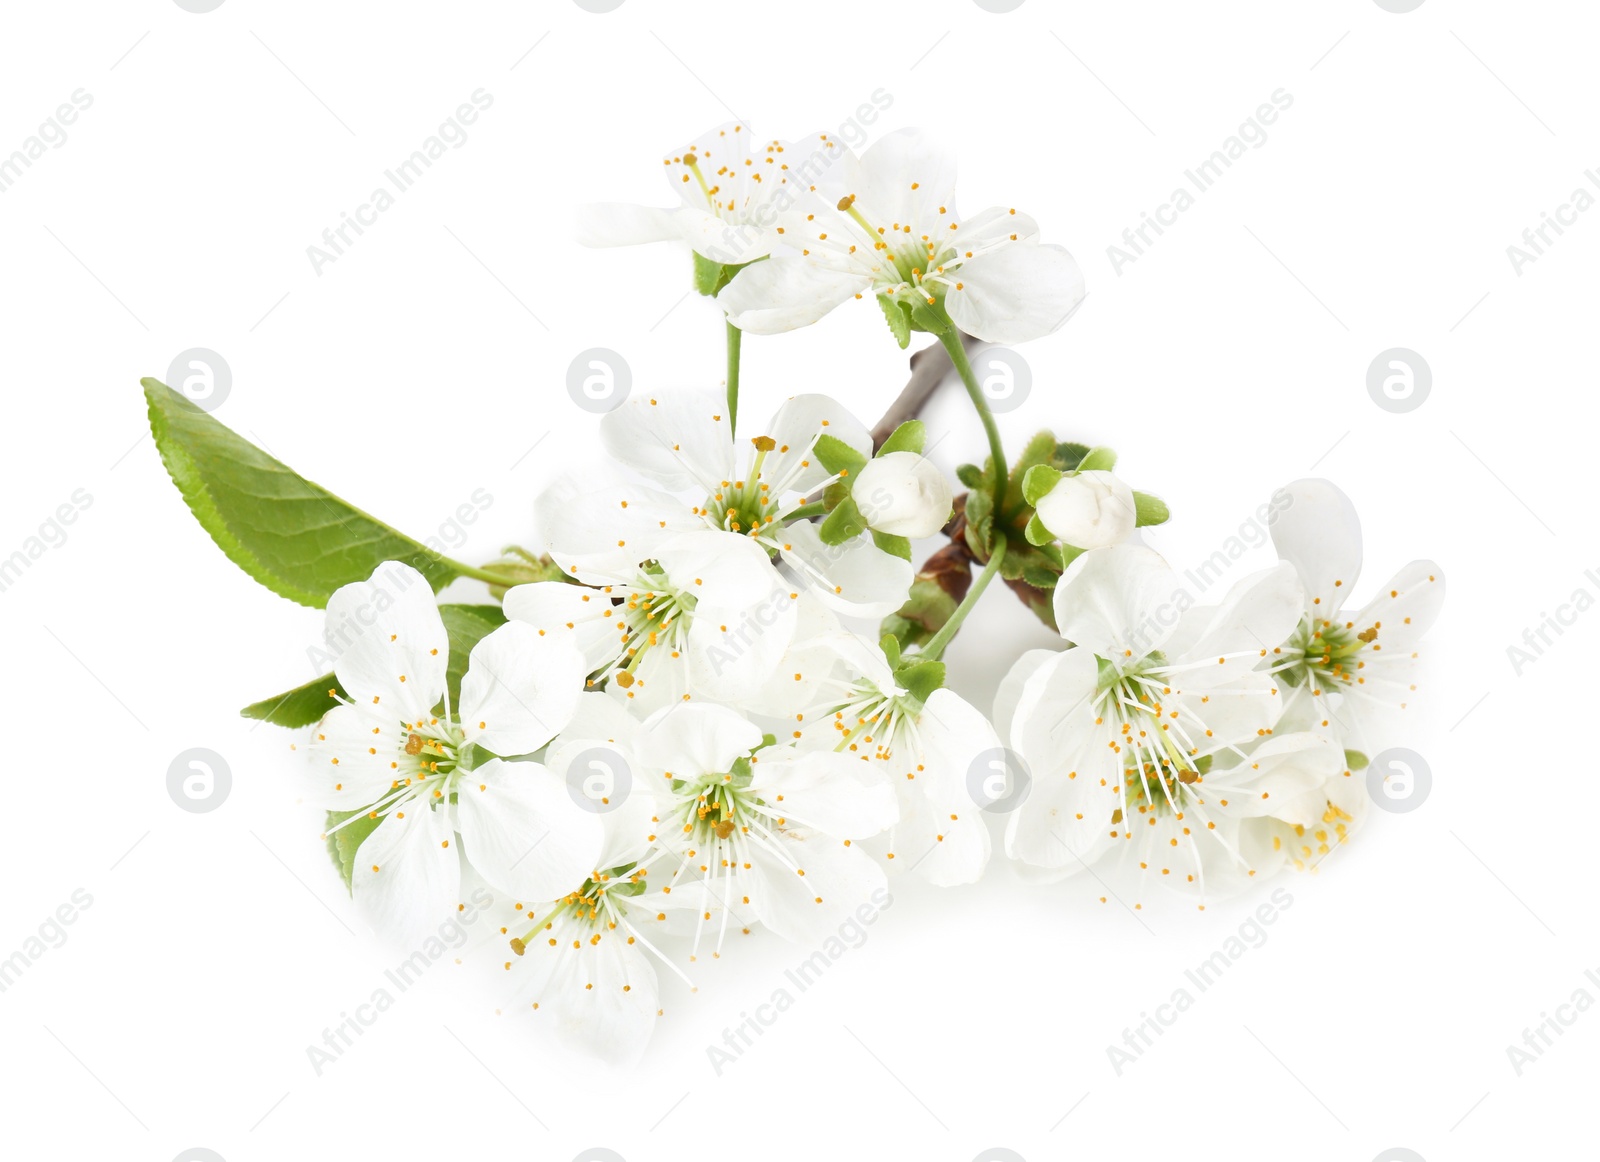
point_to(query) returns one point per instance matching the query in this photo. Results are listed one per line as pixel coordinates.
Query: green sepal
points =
(1041, 576)
(1036, 533)
(1355, 760)
(920, 679)
(838, 457)
(1098, 460)
(890, 645)
(1149, 510)
(710, 277)
(908, 437)
(980, 524)
(889, 543)
(1070, 455)
(899, 320)
(843, 523)
(1038, 481)
(971, 475)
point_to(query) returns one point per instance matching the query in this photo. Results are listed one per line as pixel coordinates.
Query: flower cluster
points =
(714, 697)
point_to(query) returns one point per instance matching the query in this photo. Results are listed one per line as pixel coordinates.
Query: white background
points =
(427, 360)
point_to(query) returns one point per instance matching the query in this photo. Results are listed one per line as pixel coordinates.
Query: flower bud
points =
(1089, 510)
(902, 494)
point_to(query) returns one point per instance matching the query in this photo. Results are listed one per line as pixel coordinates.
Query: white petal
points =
(601, 534)
(905, 177)
(572, 613)
(520, 689)
(795, 429)
(1255, 616)
(681, 440)
(856, 578)
(351, 752)
(785, 294)
(805, 908)
(695, 739)
(1405, 608)
(1009, 692)
(1315, 528)
(523, 832)
(724, 569)
(407, 873)
(394, 646)
(836, 794)
(1019, 292)
(1122, 602)
(733, 653)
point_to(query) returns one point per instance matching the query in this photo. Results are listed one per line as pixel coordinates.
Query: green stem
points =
(938, 641)
(951, 339)
(734, 336)
(479, 574)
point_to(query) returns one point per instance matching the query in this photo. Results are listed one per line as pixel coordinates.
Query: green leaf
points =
(1150, 510)
(1098, 460)
(890, 645)
(342, 844)
(1036, 533)
(298, 707)
(908, 437)
(889, 543)
(980, 523)
(295, 537)
(971, 475)
(838, 457)
(842, 523)
(467, 625)
(920, 679)
(1038, 482)
(899, 320)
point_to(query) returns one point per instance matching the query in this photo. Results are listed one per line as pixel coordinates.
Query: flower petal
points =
(1122, 602)
(523, 832)
(785, 294)
(407, 873)
(564, 612)
(1019, 292)
(1316, 530)
(802, 419)
(836, 794)
(694, 738)
(856, 578)
(520, 689)
(681, 440)
(394, 644)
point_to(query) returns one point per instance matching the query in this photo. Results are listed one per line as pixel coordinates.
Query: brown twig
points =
(929, 367)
